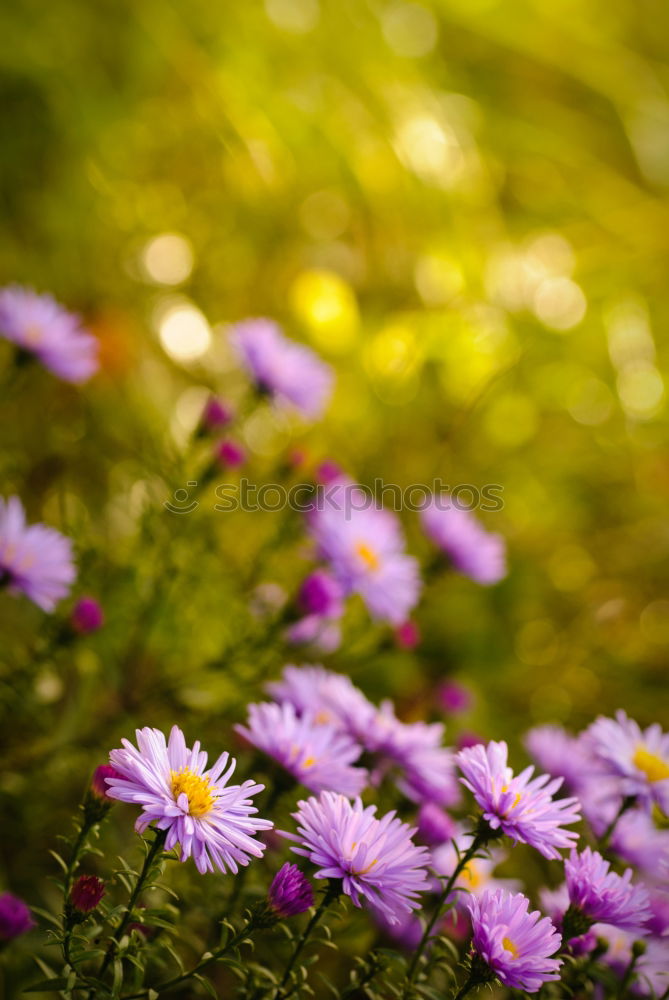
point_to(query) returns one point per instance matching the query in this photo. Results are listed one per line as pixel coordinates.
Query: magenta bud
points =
(321, 594)
(15, 917)
(468, 739)
(86, 893)
(290, 892)
(230, 453)
(216, 414)
(328, 471)
(87, 616)
(99, 785)
(407, 635)
(454, 698)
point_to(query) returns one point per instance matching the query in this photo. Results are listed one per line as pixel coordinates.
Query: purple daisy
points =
(290, 892)
(34, 559)
(328, 696)
(365, 550)
(210, 820)
(561, 755)
(426, 766)
(291, 373)
(516, 944)
(39, 325)
(519, 806)
(15, 917)
(639, 758)
(376, 859)
(473, 551)
(602, 896)
(318, 756)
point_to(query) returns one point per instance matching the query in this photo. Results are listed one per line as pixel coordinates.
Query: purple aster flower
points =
(34, 559)
(516, 944)
(86, 893)
(434, 825)
(39, 325)
(376, 859)
(87, 616)
(321, 594)
(426, 766)
(555, 903)
(636, 839)
(291, 373)
(364, 547)
(639, 758)
(318, 756)
(317, 631)
(598, 895)
(473, 551)
(15, 917)
(519, 806)
(328, 696)
(290, 892)
(210, 820)
(561, 755)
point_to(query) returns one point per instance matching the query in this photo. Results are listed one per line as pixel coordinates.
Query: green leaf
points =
(48, 985)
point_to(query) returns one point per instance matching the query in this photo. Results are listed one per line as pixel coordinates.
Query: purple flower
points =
(86, 893)
(210, 820)
(639, 758)
(34, 559)
(87, 616)
(515, 944)
(216, 414)
(602, 896)
(99, 786)
(15, 917)
(561, 755)
(318, 756)
(376, 859)
(426, 766)
(555, 903)
(315, 630)
(474, 551)
(328, 696)
(39, 325)
(434, 825)
(364, 547)
(290, 892)
(637, 840)
(519, 806)
(321, 594)
(291, 373)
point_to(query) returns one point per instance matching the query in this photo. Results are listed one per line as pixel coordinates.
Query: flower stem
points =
(626, 804)
(151, 855)
(464, 990)
(329, 896)
(79, 844)
(461, 865)
(202, 964)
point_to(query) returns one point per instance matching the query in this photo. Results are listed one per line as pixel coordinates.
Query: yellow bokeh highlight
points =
(327, 306)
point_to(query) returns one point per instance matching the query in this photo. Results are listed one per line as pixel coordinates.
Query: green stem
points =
(464, 990)
(202, 964)
(328, 897)
(77, 847)
(626, 804)
(151, 855)
(461, 865)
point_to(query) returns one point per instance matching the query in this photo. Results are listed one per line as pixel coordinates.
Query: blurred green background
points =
(463, 206)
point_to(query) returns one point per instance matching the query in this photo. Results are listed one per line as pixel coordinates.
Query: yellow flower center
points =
(515, 801)
(473, 875)
(652, 766)
(198, 790)
(322, 717)
(368, 556)
(309, 762)
(510, 947)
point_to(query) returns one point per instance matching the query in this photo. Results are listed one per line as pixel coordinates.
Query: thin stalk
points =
(462, 864)
(328, 897)
(152, 854)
